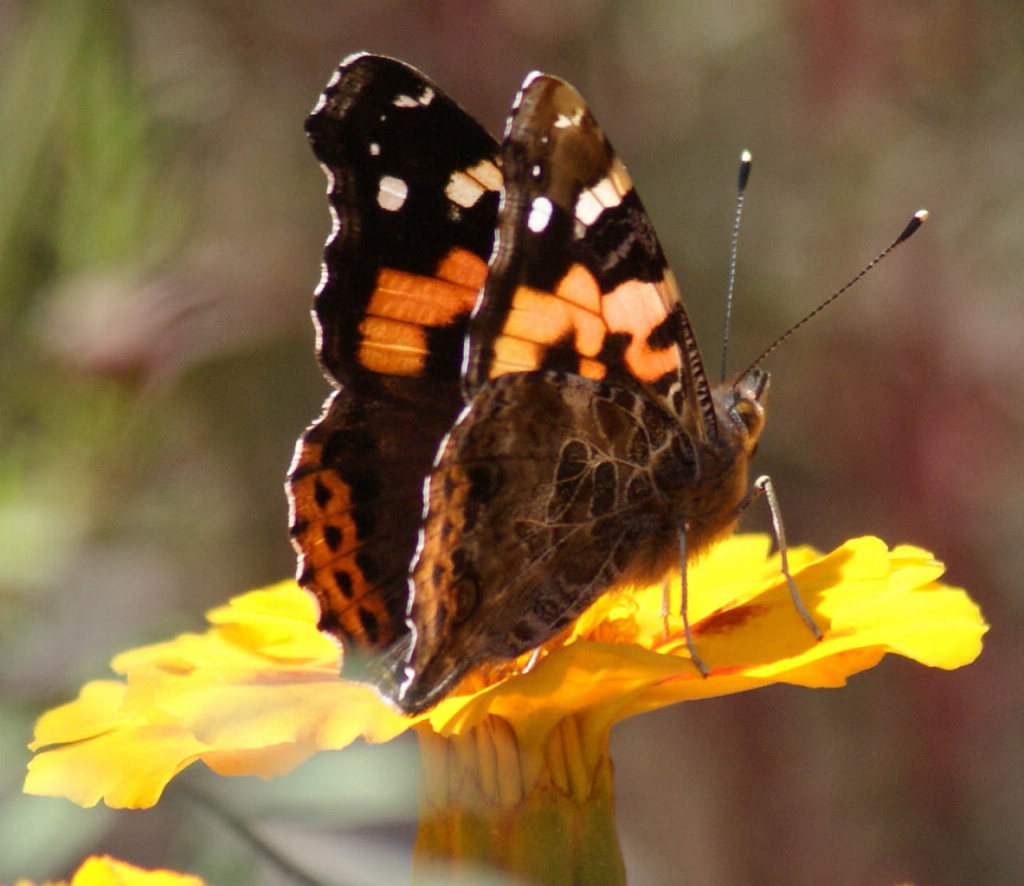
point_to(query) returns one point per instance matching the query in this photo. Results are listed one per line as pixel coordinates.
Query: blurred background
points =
(161, 222)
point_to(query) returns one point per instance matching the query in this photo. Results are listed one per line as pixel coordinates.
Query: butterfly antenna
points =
(915, 222)
(741, 187)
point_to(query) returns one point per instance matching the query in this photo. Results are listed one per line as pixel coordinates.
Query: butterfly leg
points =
(763, 484)
(684, 586)
(532, 661)
(666, 606)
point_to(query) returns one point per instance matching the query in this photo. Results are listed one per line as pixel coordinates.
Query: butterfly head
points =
(741, 407)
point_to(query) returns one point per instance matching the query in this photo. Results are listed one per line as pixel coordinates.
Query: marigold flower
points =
(102, 870)
(510, 756)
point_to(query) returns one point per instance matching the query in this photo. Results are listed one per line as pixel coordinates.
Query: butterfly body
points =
(523, 419)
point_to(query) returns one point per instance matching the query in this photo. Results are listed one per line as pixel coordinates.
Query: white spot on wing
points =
(392, 193)
(410, 101)
(588, 208)
(466, 186)
(540, 215)
(563, 121)
(606, 194)
(374, 149)
(487, 173)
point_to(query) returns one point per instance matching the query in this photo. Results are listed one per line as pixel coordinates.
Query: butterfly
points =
(521, 417)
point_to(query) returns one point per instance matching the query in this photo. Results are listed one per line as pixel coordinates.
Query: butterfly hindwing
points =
(413, 187)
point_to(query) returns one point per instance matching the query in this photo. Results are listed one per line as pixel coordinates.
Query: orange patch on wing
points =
(515, 355)
(539, 319)
(323, 562)
(403, 305)
(546, 319)
(463, 267)
(580, 288)
(592, 369)
(391, 347)
(637, 308)
(413, 298)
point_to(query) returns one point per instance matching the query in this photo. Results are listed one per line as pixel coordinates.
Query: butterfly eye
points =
(749, 413)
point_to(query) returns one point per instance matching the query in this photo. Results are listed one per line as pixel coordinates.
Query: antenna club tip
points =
(744, 177)
(914, 223)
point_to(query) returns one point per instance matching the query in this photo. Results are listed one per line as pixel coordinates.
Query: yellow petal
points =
(866, 599)
(101, 753)
(255, 695)
(107, 871)
(260, 690)
(102, 870)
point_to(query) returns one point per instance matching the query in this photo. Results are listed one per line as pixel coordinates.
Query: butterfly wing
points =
(579, 282)
(571, 468)
(412, 188)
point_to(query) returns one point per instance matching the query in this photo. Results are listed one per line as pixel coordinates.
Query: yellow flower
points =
(107, 871)
(260, 691)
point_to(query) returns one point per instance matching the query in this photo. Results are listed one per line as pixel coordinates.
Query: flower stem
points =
(539, 812)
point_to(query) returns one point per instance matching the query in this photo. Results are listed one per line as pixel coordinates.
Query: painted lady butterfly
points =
(522, 417)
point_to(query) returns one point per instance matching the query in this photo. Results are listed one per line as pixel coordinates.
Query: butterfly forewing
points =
(579, 282)
(413, 188)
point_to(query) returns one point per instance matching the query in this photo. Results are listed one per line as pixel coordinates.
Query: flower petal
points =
(102, 870)
(107, 871)
(260, 691)
(257, 694)
(866, 599)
